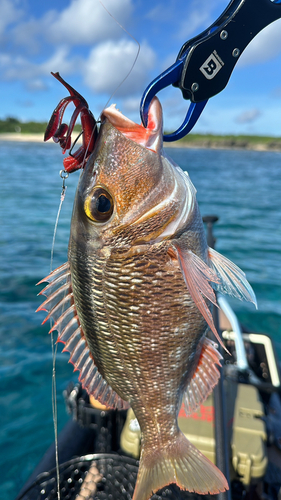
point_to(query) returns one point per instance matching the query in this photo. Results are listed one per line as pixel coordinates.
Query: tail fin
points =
(179, 463)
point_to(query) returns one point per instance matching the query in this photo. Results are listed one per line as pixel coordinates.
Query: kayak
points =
(238, 428)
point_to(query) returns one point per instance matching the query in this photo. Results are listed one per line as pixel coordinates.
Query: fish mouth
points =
(151, 137)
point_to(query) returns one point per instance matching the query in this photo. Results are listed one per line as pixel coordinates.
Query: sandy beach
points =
(201, 143)
(220, 145)
(14, 137)
(22, 137)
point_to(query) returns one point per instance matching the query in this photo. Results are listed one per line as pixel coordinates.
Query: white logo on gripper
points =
(212, 65)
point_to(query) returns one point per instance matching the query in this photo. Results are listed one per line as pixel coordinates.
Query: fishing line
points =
(124, 79)
(63, 175)
(136, 57)
(75, 141)
(55, 411)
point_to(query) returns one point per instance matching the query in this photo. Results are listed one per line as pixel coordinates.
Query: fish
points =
(133, 302)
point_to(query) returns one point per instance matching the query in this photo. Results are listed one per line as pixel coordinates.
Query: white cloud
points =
(13, 68)
(199, 15)
(36, 85)
(60, 61)
(248, 116)
(87, 21)
(10, 13)
(30, 34)
(188, 17)
(82, 22)
(264, 47)
(130, 105)
(110, 62)
(19, 68)
(196, 22)
(103, 71)
(163, 15)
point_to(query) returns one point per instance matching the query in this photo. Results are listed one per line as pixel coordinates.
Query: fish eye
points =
(99, 205)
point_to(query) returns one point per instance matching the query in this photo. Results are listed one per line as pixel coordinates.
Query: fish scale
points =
(118, 327)
(131, 330)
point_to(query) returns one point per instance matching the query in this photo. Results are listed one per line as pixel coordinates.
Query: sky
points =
(85, 42)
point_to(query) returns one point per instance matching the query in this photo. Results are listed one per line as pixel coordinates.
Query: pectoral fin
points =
(232, 278)
(197, 275)
(200, 279)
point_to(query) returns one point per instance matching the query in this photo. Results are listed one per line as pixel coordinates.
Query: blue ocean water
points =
(242, 187)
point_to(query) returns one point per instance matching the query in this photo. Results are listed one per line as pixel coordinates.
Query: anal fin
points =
(61, 308)
(204, 379)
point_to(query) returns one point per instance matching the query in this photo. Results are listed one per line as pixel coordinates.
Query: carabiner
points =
(170, 77)
(194, 111)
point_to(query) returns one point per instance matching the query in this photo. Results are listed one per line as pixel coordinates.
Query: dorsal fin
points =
(61, 308)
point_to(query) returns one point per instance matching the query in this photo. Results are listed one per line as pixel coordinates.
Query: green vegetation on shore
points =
(10, 125)
(13, 125)
(231, 141)
(211, 137)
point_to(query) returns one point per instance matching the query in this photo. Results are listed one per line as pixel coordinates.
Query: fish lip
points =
(118, 131)
(111, 112)
(149, 137)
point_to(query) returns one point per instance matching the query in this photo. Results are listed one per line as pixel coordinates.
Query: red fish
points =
(133, 303)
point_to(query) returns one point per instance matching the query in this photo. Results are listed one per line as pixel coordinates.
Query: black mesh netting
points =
(95, 477)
